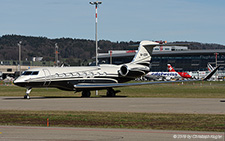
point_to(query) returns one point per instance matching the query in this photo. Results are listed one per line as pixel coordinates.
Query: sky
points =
(118, 20)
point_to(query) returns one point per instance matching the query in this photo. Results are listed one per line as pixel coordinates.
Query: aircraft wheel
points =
(86, 93)
(111, 93)
(26, 97)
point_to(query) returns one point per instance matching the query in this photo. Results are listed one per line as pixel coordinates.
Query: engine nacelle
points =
(124, 70)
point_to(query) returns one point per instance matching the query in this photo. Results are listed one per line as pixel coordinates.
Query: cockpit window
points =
(30, 73)
(27, 73)
(35, 72)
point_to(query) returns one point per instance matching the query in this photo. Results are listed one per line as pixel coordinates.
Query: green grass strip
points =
(172, 90)
(193, 122)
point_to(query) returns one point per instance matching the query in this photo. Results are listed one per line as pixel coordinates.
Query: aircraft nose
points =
(16, 81)
(19, 82)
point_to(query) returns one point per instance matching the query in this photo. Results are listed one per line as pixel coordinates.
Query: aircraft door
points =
(47, 77)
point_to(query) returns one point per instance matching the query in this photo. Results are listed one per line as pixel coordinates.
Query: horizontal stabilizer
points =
(166, 44)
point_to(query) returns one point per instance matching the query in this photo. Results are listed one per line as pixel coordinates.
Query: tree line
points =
(70, 50)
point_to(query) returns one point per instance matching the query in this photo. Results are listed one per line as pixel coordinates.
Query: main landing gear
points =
(27, 93)
(86, 93)
(110, 93)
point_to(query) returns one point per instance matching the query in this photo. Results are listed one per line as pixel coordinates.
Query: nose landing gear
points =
(27, 93)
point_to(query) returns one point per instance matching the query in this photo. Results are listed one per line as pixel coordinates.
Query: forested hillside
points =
(198, 46)
(69, 49)
(42, 46)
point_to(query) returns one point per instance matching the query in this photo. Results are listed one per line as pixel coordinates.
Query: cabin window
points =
(104, 74)
(9, 70)
(167, 48)
(69, 74)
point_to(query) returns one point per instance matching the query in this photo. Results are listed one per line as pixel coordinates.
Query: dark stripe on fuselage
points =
(64, 84)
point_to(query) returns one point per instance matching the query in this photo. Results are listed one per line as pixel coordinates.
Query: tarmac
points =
(147, 105)
(23, 133)
(118, 104)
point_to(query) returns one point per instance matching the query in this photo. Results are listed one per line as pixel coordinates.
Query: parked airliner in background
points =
(85, 79)
(210, 68)
(171, 75)
(162, 75)
(179, 74)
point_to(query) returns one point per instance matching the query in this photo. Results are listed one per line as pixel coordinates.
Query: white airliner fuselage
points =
(163, 75)
(67, 77)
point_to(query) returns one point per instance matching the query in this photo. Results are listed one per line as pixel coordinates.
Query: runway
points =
(21, 133)
(148, 105)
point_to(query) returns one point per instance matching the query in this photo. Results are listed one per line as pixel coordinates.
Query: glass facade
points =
(186, 63)
(181, 62)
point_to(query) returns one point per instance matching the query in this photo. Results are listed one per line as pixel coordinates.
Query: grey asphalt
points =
(148, 105)
(22, 133)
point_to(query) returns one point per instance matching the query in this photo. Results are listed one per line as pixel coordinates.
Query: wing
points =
(113, 85)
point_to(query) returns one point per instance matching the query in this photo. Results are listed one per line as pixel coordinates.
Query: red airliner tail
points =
(170, 68)
(182, 74)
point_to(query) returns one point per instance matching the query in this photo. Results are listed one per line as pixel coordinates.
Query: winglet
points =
(211, 73)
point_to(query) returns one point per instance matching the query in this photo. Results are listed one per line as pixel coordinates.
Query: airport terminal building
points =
(181, 58)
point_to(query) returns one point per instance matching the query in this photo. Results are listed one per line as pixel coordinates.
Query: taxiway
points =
(118, 104)
(21, 133)
(147, 105)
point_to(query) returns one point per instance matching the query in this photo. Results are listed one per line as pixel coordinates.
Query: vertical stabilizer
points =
(170, 68)
(145, 49)
(210, 68)
(143, 56)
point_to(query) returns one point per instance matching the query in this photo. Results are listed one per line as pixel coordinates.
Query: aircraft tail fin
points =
(140, 64)
(210, 68)
(143, 56)
(170, 68)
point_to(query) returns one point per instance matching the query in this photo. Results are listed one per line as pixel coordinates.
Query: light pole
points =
(56, 55)
(216, 54)
(96, 35)
(96, 23)
(19, 44)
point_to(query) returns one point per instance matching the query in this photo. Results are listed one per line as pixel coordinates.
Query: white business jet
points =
(89, 78)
